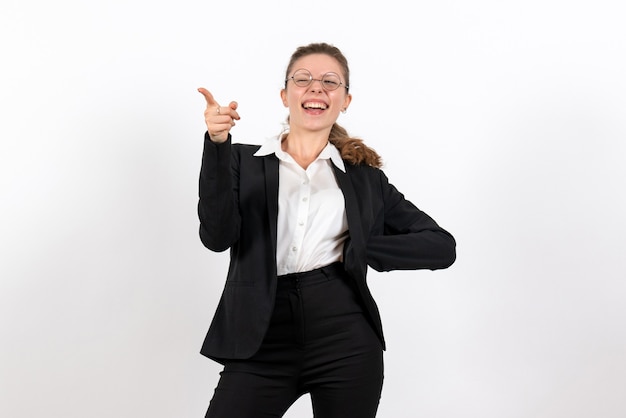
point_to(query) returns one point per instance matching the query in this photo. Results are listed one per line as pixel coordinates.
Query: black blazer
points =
(238, 208)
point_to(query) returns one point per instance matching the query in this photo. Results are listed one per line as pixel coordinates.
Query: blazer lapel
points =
(271, 193)
(354, 252)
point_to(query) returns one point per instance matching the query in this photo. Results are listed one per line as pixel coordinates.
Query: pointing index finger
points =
(210, 101)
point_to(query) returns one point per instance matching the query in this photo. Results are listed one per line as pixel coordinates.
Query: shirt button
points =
(304, 199)
(294, 249)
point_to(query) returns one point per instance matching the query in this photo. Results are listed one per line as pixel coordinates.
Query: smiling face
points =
(314, 108)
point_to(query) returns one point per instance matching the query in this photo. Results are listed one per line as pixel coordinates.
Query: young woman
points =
(304, 215)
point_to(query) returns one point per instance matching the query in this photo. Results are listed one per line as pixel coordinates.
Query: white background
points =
(504, 120)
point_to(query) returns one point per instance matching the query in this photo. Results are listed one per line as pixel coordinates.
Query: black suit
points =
(238, 209)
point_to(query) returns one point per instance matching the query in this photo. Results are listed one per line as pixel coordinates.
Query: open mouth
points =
(314, 105)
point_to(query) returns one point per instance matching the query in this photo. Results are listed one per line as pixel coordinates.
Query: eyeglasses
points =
(303, 78)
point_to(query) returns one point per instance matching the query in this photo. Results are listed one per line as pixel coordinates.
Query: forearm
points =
(428, 249)
(219, 219)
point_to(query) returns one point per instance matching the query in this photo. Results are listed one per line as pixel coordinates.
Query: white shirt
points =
(312, 224)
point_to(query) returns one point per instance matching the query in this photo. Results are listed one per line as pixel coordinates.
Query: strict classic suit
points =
(238, 209)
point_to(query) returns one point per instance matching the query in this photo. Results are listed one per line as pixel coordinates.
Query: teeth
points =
(315, 105)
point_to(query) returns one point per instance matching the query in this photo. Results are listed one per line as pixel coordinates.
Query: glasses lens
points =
(331, 81)
(302, 78)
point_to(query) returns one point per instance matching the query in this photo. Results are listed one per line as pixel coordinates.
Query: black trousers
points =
(319, 342)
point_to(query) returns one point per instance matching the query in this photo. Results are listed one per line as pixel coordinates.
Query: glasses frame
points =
(321, 80)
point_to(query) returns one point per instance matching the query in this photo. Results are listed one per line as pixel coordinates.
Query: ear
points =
(283, 97)
(346, 101)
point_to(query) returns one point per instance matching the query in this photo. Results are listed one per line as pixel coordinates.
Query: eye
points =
(302, 78)
(331, 81)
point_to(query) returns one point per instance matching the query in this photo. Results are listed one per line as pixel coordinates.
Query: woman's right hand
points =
(219, 119)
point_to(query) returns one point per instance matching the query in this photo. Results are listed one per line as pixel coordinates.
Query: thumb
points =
(210, 101)
(234, 105)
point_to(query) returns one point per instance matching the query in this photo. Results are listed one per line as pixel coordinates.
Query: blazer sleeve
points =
(220, 220)
(410, 239)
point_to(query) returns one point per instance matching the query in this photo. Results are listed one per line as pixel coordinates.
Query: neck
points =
(304, 149)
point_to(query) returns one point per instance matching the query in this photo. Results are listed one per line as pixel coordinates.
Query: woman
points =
(303, 216)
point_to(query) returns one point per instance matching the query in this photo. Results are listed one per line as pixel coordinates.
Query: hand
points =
(219, 119)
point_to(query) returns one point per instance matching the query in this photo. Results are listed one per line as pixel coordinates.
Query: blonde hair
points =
(352, 150)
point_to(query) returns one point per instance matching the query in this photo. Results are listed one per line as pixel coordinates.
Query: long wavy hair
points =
(352, 150)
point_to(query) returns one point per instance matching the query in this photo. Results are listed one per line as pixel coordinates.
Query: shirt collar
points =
(272, 146)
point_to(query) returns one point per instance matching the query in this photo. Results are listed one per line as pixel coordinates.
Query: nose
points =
(313, 85)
